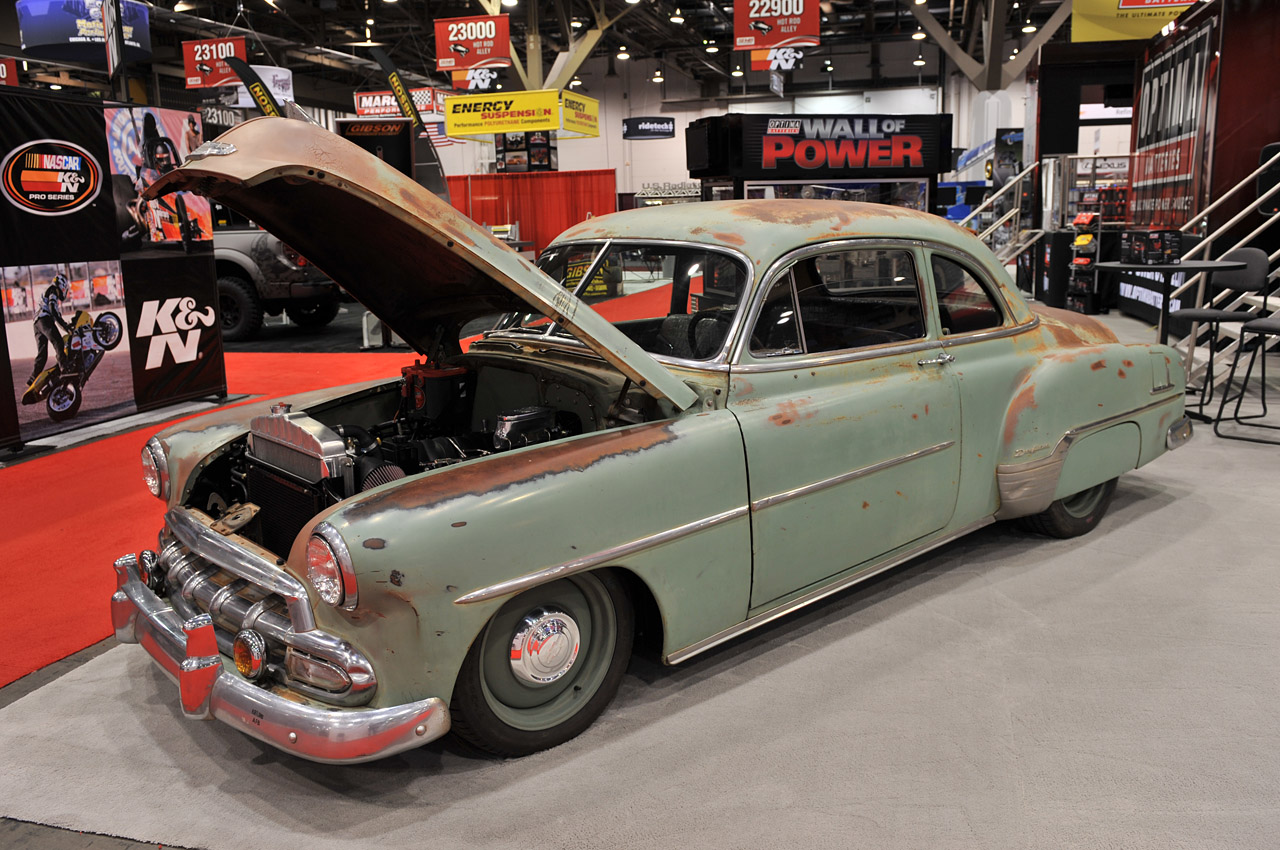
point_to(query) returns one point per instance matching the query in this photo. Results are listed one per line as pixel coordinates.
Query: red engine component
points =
(429, 388)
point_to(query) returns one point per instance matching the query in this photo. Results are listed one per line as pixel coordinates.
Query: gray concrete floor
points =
(645, 677)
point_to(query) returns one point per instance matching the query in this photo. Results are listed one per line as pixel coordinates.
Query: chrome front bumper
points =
(208, 688)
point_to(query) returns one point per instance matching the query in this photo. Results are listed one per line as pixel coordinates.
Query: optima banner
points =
(837, 145)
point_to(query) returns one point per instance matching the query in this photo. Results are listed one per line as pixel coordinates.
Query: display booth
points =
(109, 300)
(887, 159)
(543, 204)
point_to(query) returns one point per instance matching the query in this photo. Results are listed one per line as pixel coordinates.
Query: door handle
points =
(942, 358)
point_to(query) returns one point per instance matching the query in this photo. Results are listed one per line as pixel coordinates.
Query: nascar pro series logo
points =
(50, 177)
(174, 325)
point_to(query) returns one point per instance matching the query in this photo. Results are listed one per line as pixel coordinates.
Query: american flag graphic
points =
(435, 132)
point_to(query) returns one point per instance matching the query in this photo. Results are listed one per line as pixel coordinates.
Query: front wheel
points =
(545, 666)
(1074, 515)
(108, 330)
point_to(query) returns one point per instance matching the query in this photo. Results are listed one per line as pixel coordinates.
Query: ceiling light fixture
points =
(657, 76)
(710, 46)
(829, 68)
(676, 17)
(1028, 27)
(509, 3)
(919, 2)
(576, 24)
(918, 35)
(919, 60)
(737, 71)
(622, 53)
(575, 82)
(368, 21)
(55, 87)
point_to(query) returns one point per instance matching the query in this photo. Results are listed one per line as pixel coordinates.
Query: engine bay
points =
(293, 464)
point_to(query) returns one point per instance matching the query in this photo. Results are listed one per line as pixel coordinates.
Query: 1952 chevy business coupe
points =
(766, 402)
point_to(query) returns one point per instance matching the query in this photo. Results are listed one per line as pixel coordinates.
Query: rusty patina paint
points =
(1099, 364)
(1022, 402)
(374, 543)
(499, 472)
(789, 412)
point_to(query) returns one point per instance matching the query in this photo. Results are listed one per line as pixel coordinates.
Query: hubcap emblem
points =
(544, 646)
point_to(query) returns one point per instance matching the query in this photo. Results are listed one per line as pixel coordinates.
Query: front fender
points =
(420, 545)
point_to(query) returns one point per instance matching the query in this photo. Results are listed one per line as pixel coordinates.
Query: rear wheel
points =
(313, 314)
(1074, 515)
(545, 666)
(240, 308)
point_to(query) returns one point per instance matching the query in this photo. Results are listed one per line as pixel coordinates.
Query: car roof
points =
(764, 230)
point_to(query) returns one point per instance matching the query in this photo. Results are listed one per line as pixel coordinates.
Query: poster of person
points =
(144, 143)
(68, 350)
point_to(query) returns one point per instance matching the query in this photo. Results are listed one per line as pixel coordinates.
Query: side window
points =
(964, 305)
(776, 331)
(853, 299)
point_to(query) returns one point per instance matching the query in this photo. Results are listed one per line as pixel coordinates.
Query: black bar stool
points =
(1252, 278)
(1262, 328)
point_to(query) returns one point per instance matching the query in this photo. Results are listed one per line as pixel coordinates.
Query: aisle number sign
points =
(759, 24)
(205, 65)
(479, 41)
(8, 72)
(521, 112)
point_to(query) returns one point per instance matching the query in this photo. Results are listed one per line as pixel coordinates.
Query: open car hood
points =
(409, 257)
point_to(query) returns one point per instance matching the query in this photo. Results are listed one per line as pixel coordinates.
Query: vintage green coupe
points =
(791, 397)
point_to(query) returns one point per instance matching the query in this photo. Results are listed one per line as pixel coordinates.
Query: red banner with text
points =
(481, 41)
(759, 24)
(8, 72)
(205, 62)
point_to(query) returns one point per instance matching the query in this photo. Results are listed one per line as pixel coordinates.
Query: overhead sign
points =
(652, 127)
(1122, 20)
(580, 114)
(521, 112)
(8, 72)
(273, 81)
(113, 34)
(205, 65)
(481, 41)
(476, 79)
(429, 102)
(74, 31)
(828, 145)
(776, 59)
(775, 23)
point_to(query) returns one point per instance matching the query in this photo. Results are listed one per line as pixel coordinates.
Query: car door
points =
(849, 413)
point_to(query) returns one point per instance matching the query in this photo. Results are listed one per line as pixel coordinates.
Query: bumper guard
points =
(188, 654)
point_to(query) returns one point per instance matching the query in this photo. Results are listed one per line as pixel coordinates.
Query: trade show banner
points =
(481, 41)
(72, 30)
(649, 127)
(79, 323)
(8, 72)
(475, 79)
(205, 62)
(1122, 20)
(581, 114)
(1172, 131)
(776, 59)
(514, 112)
(382, 104)
(775, 23)
(813, 145)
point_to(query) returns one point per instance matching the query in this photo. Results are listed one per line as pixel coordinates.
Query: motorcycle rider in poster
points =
(49, 325)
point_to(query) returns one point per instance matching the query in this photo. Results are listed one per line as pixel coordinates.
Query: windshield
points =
(672, 300)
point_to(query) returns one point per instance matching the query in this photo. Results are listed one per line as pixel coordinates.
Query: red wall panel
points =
(544, 203)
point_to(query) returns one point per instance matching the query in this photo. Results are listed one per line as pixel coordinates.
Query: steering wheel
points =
(696, 319)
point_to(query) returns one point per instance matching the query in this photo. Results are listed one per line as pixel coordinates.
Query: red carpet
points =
(67, 516)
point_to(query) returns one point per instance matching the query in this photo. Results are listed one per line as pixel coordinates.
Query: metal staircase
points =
(1195, 355)
(1005, 236)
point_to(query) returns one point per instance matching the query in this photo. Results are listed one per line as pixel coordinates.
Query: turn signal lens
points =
(250, 653)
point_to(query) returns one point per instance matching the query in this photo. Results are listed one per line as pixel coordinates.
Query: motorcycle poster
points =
(68, 352)
(144, 143)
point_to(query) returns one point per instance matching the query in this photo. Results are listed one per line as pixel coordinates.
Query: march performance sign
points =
(759, 24)
(205, 62)
(1172, 132)
(481, 41)
(382, 104)
(829, 145)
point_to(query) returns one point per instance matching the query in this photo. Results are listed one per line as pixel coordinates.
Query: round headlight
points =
(155, 468)
(329, 567)
(323, 571)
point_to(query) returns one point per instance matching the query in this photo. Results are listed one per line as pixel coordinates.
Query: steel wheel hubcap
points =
(544, 646)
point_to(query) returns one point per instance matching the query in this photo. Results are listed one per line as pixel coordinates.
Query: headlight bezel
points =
(154, 452)
(326, 540)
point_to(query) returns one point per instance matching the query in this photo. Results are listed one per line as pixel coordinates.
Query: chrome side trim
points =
(821, 593)
(994, 333)
(818, 486)
(798, 363)
(1028, 488)
(234, 554)
(598, 559)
